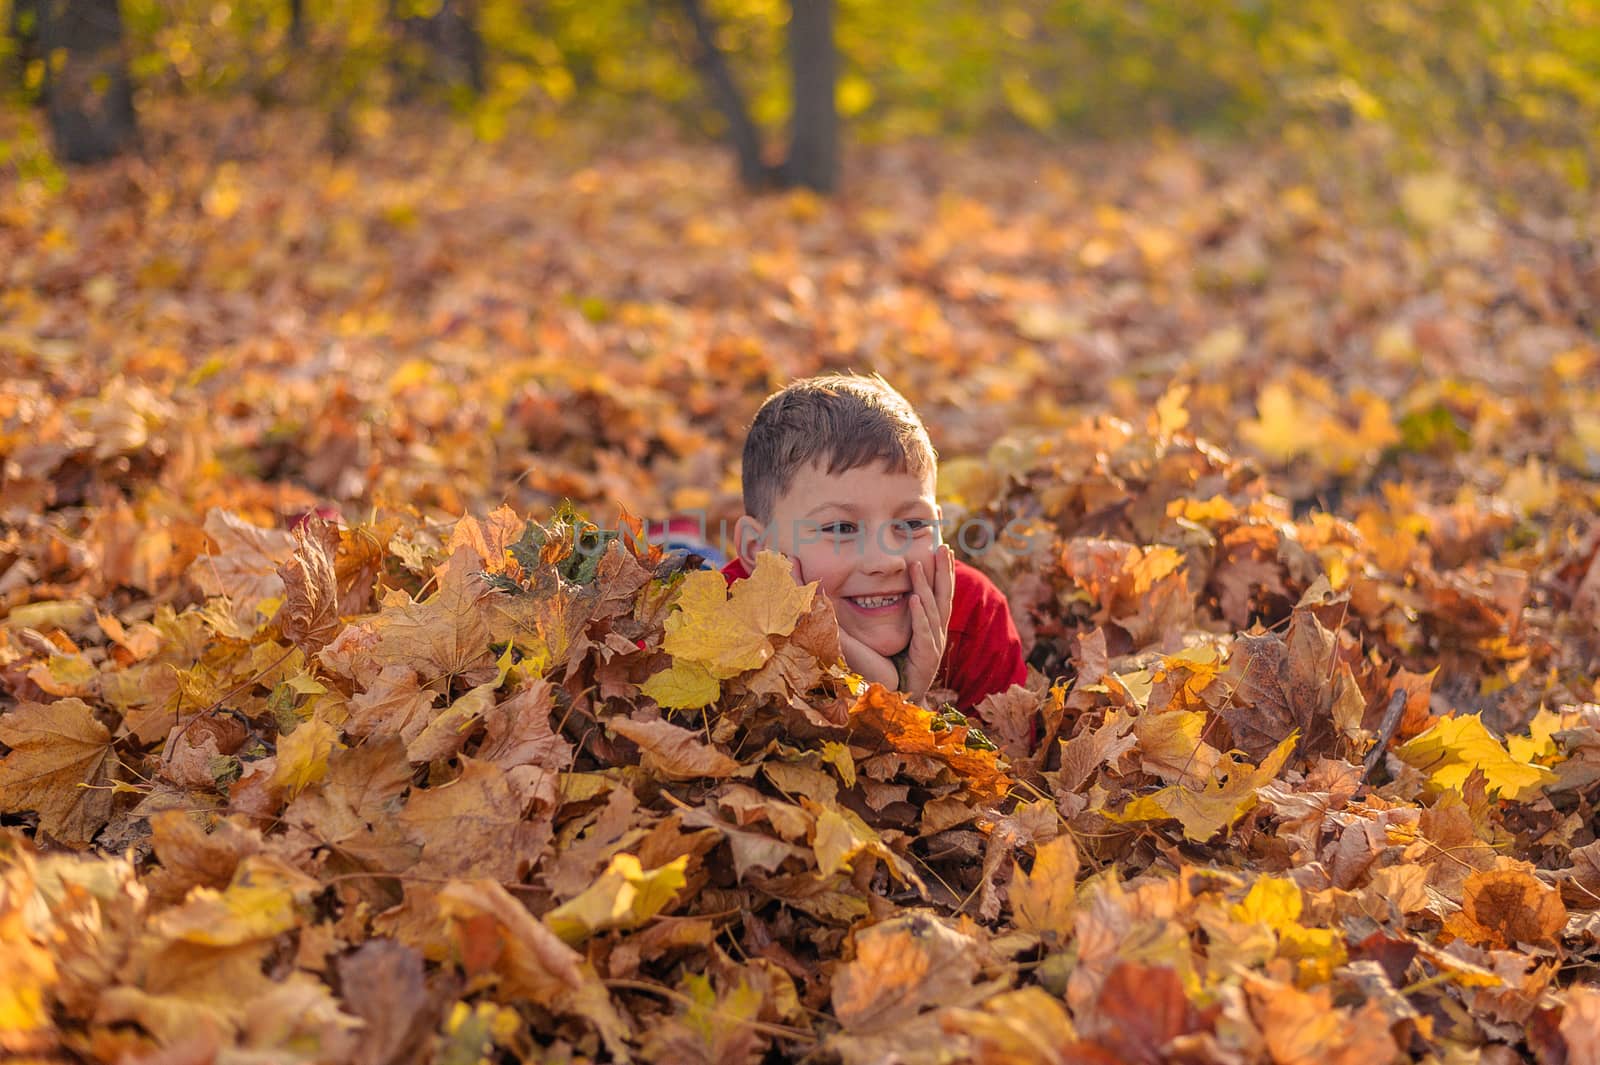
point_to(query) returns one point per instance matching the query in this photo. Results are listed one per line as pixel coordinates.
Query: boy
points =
(839, 478)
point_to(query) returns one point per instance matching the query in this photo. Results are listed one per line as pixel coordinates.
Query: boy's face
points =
(856, 533)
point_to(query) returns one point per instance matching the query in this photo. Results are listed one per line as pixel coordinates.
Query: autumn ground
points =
(1301, 453)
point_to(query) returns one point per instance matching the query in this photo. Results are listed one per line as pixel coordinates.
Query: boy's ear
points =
(750, 538)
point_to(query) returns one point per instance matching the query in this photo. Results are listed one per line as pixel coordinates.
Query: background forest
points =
(1517, 75)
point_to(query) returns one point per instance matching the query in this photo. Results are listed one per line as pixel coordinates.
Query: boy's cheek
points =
(922, 553)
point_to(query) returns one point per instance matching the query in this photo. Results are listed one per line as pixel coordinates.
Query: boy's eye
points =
(918, 524)
(840, 528)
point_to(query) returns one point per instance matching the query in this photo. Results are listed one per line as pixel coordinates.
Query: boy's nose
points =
(878, 559)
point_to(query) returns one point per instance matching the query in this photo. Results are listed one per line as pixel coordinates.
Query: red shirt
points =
(982, 653)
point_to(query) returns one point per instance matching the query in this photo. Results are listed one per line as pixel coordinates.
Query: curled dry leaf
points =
(674, 753)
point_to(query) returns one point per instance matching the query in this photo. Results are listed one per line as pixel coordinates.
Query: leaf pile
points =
(388, 784)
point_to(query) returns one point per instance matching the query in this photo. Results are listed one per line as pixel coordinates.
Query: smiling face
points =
(857, 533)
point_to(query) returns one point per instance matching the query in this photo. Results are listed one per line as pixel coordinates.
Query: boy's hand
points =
(930, 621)
(929, 603)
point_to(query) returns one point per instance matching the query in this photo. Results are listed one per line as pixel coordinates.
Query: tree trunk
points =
(713, 67)
(814, 69)
(88, 96)
(441, 49)
(297, 23)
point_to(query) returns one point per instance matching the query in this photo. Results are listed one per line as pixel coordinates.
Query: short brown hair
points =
(846, 420)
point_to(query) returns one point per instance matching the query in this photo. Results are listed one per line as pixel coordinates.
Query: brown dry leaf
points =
(244, 568)
(1580, 1025)
(309, 617)
(354, 810)
(1281, 684)
(382, 983)
(1580, 881)
(57, 767)
(673, 753)
(496, 935)
(1506, 906)
(519, 734)
(445, 636)
(902, 967)
(1028, 1026)
(1304, 1028)
(191, 856)
(489, 541)
(473, 826)
(394, 704)
(356, 566)
(193, 753)
(750, 850)
(1307, 681)
(1011, 720)
(1089, 751)
(1417, 715)
(518, 738)
(1140, 1012)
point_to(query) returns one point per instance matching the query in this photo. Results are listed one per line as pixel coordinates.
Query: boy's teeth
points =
(873, 601)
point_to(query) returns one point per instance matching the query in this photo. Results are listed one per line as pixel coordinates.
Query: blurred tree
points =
(439, 44)
(813, 158)
(23, 26)
(87, 92)
(814, 72)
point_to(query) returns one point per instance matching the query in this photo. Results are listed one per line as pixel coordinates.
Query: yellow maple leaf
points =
(28, 972)
(303, 756)
(1452, 748)
(1540, 740)
(1276, 903)
(684, 685)
(730, 633)
(1283, 429)
(1215, 509)
(265, 898)
(840, 835)
(1205, 812)
(1530, 488)
(834, 841)
(1044, 898)
(1170, 746)
(625, 896)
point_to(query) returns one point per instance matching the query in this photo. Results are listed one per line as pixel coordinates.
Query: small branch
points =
(1386, 730)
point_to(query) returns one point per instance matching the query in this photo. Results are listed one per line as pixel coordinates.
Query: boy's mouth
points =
(873, 604)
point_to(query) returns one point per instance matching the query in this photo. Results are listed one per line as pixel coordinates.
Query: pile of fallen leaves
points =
(548, 790)
(301, 764)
